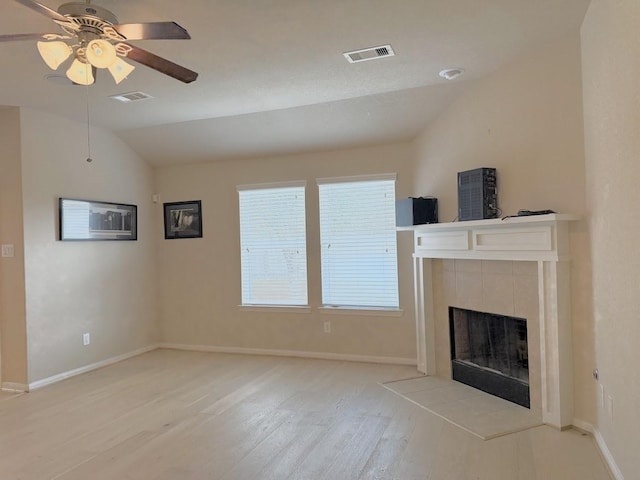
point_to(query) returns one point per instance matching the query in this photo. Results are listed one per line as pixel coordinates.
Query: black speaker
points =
(477, 194)
(416, 211)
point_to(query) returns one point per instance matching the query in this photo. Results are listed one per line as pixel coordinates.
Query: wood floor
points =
(169, 415)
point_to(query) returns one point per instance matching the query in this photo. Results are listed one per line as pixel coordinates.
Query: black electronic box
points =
(477, 194)
(416, 211)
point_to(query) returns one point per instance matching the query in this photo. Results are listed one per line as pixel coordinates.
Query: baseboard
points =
(14, 387)
(602, 446)
(292, 353)
(87, 368)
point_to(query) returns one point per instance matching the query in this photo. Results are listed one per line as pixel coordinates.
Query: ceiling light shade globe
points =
(101, 53)
(81, 73)
(54, 53)
(120, 70)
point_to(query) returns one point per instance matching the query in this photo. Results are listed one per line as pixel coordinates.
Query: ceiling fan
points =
(95, 39)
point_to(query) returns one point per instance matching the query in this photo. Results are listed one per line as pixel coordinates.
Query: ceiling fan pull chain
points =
(89, 159)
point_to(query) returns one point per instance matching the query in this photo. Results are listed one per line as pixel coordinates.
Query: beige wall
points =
(611, 68)
(200, 278)
(13, 335)
(525, 120)
(104, 288)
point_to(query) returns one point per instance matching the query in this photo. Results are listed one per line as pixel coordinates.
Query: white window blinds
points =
(358, 242)
(273, 245)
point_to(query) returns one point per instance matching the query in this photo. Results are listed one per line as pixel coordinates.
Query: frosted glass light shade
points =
(100, 53)
(54, 53)
(120, 70)
(81, 73)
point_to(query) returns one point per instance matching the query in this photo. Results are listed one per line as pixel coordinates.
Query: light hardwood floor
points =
(169, 415)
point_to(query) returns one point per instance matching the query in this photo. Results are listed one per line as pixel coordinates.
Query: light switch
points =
(7, 250)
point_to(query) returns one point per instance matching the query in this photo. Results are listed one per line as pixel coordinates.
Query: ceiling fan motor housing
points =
(90, 19)
(80, 10)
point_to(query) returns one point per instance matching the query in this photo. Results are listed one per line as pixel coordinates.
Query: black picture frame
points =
(183, 220)
(91, 220)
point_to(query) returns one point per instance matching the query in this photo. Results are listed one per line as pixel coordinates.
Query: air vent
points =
(131, 97)
(369, 54)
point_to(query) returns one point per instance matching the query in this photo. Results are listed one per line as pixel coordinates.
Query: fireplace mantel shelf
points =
(534, 238)
(540, 238)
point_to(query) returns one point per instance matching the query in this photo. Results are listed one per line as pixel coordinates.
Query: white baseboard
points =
(14, 387)
(602, 445)
(292, 353)
(87, 368)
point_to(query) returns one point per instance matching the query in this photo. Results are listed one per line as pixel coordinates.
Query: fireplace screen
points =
(490, 352)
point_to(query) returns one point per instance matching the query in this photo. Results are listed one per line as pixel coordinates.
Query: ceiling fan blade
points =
(160, 64)
(22, 36)
(152, 31)
(46, 11)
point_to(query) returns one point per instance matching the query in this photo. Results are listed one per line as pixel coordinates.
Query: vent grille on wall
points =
(131, 97)
(369, 54)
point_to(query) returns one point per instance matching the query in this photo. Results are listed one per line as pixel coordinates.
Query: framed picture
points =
(183, 219)
(92, 220)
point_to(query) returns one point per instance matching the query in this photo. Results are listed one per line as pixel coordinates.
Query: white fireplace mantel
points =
(540, 238)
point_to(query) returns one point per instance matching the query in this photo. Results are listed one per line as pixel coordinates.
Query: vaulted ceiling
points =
(272, 77)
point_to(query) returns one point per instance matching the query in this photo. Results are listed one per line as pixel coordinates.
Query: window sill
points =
(275, 308)
(373, 312)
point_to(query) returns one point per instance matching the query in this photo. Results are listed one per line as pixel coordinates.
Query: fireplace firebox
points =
(489, 352)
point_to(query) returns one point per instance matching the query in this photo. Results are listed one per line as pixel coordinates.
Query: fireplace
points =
(490, 352)
(543, 239)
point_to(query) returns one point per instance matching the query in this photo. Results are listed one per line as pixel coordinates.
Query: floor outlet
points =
(86, 339)
(327, 327)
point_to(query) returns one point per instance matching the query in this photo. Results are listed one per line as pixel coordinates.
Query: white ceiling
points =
(272, 76)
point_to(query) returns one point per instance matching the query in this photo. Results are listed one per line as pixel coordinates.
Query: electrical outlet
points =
(7, 251)
(86, 339)
(327, 327)
(610, 407)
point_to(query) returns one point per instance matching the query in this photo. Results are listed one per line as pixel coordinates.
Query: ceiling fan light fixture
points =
(54, 53)
(83, 23)
(81, 73)
(120, 70)
(101, 53)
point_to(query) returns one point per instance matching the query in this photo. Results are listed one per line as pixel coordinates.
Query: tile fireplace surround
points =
(543, 239)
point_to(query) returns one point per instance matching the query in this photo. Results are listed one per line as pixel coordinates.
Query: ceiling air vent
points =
(369, 54)
(131, 97)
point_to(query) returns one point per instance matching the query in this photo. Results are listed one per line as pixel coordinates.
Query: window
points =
(358, 242)
(273, 244)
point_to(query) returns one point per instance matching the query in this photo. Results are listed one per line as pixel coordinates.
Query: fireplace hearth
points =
(490, 352)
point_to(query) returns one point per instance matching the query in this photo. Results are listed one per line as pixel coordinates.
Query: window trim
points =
(276, 308)
(360, 311)
(357, 178)
(265, 186)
